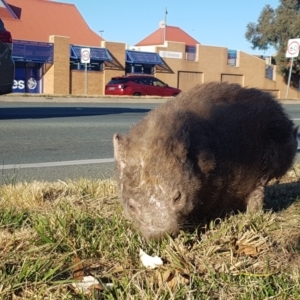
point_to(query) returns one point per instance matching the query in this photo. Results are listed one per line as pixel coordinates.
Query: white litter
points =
(150, 262)
(83, 285)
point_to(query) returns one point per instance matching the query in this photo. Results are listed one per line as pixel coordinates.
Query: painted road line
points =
(58, 164)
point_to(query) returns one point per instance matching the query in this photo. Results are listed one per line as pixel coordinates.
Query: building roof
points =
(173, 34)
(38, 19)
(5, 10)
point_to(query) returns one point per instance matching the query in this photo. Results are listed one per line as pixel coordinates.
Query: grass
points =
(50, 230)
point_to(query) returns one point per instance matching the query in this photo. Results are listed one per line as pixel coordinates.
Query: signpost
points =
(291, 52)
(85, 59)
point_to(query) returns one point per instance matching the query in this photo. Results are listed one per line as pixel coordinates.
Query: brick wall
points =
(57, 79)
(118, 51)
(94, 82)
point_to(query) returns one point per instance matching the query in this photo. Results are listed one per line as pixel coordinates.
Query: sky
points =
(217, 23)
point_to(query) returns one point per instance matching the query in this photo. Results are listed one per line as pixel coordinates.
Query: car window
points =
(118, 81)
(147, 81)
(157, 82)
(2, 28)
(7, 66)
(137, 80)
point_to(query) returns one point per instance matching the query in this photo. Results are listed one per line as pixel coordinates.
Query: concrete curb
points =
(34, 98)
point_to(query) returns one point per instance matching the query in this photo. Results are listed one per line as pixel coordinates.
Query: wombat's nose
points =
(155, 236)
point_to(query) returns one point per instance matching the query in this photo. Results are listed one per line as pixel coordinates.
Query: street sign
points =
(85, 58)
(292, 48)
(292, 51)
(85, 55)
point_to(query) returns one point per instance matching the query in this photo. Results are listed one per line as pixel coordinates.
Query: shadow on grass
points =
(280, 196)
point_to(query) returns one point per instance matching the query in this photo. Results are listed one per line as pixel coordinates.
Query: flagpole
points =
(165, 28)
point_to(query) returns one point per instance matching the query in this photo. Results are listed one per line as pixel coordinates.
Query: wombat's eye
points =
(131, 207)
(177, 197)
(131, 204)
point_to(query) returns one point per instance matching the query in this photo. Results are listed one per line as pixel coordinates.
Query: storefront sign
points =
(171, 54)
(31, 83)
(19, 85)
(27, 80)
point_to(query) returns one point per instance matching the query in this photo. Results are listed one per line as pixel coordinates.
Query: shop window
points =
(190, 52)
(232, 58)
(139, 69)
(269, 72)
(94, 66)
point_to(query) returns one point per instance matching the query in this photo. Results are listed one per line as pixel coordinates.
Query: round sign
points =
(293, 48)
(85, 56)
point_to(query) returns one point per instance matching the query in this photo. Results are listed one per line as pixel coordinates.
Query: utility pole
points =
(165, 28)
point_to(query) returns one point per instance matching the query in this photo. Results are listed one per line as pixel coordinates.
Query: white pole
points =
(165, 28)
(289, 80)
(85, 88)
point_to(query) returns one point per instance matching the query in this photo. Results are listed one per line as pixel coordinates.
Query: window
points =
(269, 72)
(232, 58)
(157, 82)
(190, 52)
(117, 81)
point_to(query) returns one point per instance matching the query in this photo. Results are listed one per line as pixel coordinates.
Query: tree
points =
(274, 28)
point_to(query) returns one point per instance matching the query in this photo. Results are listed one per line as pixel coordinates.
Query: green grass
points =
(46, 227)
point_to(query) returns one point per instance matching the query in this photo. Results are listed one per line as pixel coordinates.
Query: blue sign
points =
(27, 80)
(19, 82)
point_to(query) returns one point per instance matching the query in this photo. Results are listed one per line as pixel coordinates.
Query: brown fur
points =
(206, 153)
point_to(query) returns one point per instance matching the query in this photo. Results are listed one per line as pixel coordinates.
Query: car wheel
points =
(175, 95)
(137, 94)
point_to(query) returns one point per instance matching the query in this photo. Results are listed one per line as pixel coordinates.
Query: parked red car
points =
(7, 65)
(139, 85)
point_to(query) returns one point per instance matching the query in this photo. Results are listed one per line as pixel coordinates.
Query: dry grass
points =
(46, 227)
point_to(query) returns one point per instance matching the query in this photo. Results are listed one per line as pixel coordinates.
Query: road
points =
(60, 141)
(67, 133)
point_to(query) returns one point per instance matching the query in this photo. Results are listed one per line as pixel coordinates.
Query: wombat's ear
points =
(118, 153)
(206, 162)
(295, 132)
(181, 144)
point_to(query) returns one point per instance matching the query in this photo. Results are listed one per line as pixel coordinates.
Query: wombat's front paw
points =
(256, 199)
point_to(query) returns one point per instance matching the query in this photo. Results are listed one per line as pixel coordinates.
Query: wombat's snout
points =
(153, 219)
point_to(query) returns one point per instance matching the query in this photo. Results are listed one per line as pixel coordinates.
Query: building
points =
(47, 52)
(46, 48)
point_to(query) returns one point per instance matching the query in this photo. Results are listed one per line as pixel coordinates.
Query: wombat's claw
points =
(256, 199)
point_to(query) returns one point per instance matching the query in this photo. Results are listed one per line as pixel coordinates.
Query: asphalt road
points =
(75, 139)
(60, 141)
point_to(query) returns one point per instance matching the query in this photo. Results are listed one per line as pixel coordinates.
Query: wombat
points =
(209, 152)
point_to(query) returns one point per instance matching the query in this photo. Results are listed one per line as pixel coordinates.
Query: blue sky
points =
(217, 23)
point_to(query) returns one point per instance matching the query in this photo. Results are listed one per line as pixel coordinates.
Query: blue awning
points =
(139, 57)
(97, 54)
(28, 51)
